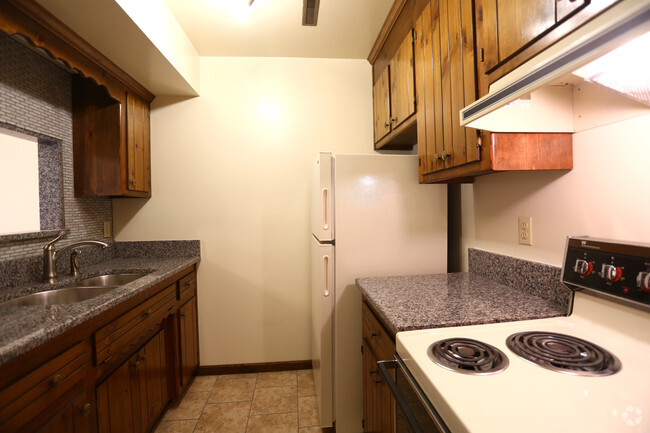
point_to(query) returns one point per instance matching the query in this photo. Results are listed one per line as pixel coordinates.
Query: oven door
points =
(414, 412)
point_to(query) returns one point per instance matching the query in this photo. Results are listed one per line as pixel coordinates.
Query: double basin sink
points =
(78, 291)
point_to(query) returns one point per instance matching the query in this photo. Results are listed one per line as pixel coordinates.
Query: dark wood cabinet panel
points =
(394, 99)
(189, 343)
(134, 395)
(47, 390)
(378, 402)
(111, 141)
(40, 394)
(75, 417)
(513, 31)
(138, 144)
(381, 106)
(446, 82)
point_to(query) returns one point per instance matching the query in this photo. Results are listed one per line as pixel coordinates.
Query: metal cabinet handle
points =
(85, 410)
(445, 155)
(56, 381)
(147, 314)
(137, 364)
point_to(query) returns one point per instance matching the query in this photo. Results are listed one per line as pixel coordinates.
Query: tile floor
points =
(278, 402)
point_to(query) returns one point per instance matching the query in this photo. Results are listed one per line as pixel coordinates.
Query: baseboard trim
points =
(262, 367)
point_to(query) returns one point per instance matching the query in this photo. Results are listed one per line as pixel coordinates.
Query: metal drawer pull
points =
(85, 410)
(399, 398)
(56, 381)
(147, 314)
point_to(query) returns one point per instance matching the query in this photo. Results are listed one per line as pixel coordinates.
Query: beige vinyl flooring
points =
(278, 402)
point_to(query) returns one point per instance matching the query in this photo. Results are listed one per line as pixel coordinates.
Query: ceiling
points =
(273, 28)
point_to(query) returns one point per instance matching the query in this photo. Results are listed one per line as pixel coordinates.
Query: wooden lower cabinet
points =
(189, 340)
(134, 395)
(75, 417)
(378, 402)
(118, 372)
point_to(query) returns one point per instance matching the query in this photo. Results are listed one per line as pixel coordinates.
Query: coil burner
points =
(563, 353)
(468, 356)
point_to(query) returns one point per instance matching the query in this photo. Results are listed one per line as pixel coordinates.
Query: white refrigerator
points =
(369, 217)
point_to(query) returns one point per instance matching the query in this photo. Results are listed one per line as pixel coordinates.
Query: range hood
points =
(561, 89)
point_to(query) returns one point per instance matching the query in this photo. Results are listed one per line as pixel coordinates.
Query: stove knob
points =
(583, 267)
(611, 273)
(643, 281)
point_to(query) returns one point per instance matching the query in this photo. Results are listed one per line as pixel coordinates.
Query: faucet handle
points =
(50, 244)
(74, 262)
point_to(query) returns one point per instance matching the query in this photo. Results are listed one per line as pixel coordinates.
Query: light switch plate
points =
(525, 226)
(107, 229)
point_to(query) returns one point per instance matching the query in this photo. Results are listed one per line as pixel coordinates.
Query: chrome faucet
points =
(51, 254)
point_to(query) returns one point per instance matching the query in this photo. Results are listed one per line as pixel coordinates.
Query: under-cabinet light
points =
(624, 69)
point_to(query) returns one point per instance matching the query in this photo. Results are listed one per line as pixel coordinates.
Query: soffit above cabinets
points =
(273, 28)
(164, 63)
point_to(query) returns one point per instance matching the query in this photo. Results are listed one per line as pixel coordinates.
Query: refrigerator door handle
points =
(326, 276)
(325, 220)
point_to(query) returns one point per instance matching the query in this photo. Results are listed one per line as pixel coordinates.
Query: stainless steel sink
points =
(109, 280)
(68, 295)
(79, 291)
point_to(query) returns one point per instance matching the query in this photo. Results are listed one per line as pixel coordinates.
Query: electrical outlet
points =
(107, 229)
(525, 226)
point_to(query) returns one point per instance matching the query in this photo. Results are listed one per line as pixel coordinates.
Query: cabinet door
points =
(116, 406)
(402, 86)
(446, 51)
(189, 340)
(512, 25)
(381, 105)
(378, 402)
(133, 396)
(138, 145)
(75, 417)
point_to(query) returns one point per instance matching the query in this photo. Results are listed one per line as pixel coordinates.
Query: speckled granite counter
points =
(441, 300)
(24, 328)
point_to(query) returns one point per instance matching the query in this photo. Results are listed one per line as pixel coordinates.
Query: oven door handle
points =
(410, 418)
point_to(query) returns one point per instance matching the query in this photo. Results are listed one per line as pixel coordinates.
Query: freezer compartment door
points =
(322, 310)
(322, 200)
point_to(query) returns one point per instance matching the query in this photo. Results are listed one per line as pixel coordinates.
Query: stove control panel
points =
(619, 271)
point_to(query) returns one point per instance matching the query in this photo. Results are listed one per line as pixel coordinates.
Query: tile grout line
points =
(250, 409)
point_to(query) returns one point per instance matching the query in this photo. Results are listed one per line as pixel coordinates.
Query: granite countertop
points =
(26, 327)
(441, 300)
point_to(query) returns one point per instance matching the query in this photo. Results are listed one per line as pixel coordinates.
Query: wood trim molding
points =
(262, 367)
(394, 12)
(44, 30)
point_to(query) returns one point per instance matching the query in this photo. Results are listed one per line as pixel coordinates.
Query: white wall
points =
(232, 168)
(605, 195)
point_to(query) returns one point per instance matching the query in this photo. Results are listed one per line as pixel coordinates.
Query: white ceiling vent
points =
(310, 12)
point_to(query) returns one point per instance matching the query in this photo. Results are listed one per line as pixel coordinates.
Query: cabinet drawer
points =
(187, 287)
(41, 389)
(117, 337)
(380, 342)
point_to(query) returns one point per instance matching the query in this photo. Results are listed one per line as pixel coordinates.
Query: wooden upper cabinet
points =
(513, 31)
(446, 82)
(111, 141)
(394, 97)
(381, 106)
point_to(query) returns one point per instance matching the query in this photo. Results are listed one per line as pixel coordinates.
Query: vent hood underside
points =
(555, 91)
